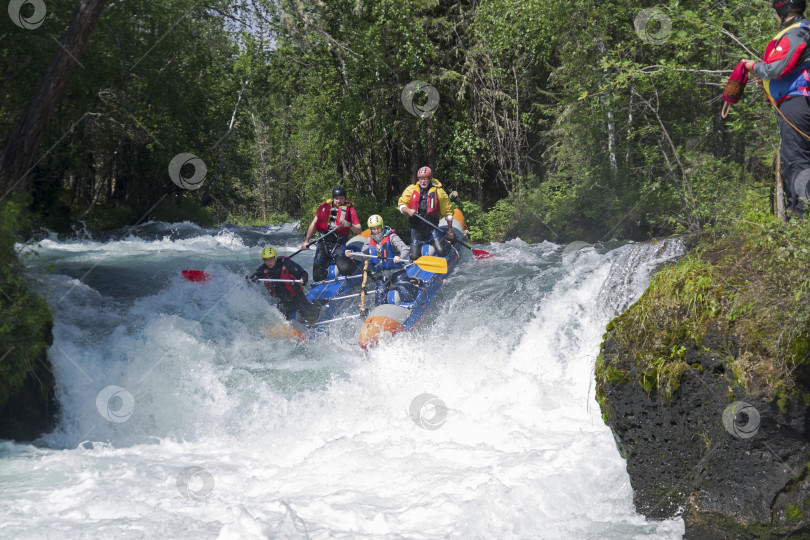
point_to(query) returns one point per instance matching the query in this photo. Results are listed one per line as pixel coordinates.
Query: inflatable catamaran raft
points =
(394, 317)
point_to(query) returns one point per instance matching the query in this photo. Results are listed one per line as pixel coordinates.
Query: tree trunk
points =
(17, 159)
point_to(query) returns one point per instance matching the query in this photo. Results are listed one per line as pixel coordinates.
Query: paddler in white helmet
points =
(386, 249)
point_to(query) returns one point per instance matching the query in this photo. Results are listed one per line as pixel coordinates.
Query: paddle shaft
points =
(441, 231)
(341, 278)
(333, 231)
(282, 280)
(477, 253)
(428, 263)
(370, 256)
(375, 257)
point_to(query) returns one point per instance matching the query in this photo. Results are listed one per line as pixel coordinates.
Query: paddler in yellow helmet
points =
(288, 286)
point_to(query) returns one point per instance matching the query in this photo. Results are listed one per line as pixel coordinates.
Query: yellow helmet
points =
(375, 221)
(268, 252)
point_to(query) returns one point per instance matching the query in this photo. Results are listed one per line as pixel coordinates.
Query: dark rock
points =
(31, 409)
(730, 472)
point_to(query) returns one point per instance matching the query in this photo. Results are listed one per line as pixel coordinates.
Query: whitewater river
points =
(181, 418)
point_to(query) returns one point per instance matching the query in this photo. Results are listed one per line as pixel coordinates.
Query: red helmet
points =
(424, 172)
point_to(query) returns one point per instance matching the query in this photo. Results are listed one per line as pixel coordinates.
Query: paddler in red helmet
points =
(427, 199)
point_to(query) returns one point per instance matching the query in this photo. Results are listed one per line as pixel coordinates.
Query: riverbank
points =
(27, 402)
(705, 382)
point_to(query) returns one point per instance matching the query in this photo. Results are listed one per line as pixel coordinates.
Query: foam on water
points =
(230, 433)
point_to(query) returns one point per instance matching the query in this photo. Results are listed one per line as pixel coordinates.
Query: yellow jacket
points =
(435, 186)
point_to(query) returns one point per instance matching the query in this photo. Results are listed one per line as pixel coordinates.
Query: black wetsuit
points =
(291, 295)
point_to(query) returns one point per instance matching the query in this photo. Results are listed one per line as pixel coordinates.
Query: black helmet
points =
(783, 7)
(338, 191)
(345, 265)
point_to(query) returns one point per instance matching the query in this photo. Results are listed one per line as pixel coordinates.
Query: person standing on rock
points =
(785, 74)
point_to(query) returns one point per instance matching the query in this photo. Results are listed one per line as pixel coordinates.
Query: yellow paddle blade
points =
(428, 263)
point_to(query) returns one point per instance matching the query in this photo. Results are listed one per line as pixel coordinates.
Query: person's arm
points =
(400, 247)
(258, 274)
(781, 57)
(355, 221)
(405, 199)
(444, 205)
(447, 210)
(310, 230)
(297, 271)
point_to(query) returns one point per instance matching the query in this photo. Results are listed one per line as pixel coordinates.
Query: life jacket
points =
(432, 202)
(794, 83)
(382, 254)
(324, 211)
(292, 288)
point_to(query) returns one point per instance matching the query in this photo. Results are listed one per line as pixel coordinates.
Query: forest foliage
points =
(555, 120)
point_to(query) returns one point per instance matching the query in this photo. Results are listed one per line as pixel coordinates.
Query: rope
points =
(734, 90)
(802, 133)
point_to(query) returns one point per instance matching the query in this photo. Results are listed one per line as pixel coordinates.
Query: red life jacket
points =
(382, 252)
(292, 288)
(343, 214)
(432, 202)
(795, 81)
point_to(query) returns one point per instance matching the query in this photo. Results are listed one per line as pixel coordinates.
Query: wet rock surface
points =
(732, 464)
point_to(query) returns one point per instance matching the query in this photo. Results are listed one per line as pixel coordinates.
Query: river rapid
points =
(181, 417)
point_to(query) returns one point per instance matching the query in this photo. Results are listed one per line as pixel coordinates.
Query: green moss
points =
(800, 349)
(616, 376)
(794, 513)
(601, 379)
(604, 405)
(782, 403)
(747, 287)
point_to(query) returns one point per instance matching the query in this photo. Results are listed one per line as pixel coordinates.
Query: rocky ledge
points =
(704, 383)
(735, 465)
